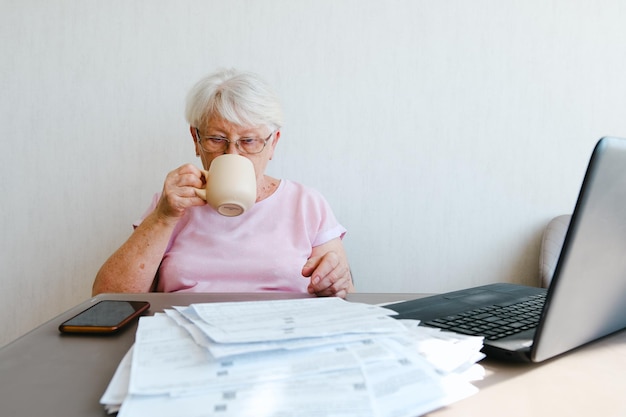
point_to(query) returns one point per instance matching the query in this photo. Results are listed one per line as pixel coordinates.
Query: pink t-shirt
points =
(264, 249)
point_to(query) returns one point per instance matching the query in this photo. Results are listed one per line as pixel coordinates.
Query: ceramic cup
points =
(230, 185)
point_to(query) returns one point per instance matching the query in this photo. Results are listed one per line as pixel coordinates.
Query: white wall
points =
(444, 133)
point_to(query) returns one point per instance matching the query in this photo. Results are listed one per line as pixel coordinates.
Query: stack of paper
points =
(303, 357)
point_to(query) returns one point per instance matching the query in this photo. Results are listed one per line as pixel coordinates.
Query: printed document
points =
(319, 356)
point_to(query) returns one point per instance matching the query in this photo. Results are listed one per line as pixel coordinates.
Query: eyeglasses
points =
(213, 144)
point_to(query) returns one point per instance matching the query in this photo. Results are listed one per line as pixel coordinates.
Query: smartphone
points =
(106, 316)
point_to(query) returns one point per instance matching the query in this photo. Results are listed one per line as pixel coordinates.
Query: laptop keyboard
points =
(496, 321)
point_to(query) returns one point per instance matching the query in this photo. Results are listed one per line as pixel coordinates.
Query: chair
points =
(551, 244)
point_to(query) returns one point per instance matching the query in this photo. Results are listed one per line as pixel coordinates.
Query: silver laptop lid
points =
(587, 297)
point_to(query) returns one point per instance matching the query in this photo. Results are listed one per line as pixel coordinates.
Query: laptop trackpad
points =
(478, 298)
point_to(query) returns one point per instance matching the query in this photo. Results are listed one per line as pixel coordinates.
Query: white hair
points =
(241, 98)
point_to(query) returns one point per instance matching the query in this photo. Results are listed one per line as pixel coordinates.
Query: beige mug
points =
(230, 185)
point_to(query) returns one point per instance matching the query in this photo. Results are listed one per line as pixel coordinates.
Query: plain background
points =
(445, 134)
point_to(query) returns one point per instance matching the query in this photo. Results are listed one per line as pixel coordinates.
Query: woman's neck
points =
(266, 187)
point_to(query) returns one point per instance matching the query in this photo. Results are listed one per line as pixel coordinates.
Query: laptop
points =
(586, 299)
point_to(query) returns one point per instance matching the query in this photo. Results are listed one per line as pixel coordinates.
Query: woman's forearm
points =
(133, 267)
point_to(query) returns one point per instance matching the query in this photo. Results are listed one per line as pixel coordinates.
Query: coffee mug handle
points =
(201, 192)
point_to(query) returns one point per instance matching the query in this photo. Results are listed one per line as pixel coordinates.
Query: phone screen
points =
(106, 316)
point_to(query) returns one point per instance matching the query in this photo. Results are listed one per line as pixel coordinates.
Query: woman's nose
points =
(232, 148)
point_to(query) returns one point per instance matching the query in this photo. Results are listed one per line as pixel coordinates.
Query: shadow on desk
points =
(591, 357)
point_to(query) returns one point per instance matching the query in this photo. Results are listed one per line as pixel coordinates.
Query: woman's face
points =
(217, 126)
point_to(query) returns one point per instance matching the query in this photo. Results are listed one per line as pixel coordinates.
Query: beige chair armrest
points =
(551, 244)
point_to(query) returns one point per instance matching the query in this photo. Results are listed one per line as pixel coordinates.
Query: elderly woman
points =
(289, 240)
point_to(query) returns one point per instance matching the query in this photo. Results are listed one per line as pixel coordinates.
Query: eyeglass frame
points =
(228, 142)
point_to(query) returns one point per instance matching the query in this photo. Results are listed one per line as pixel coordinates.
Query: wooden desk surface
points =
(46, 373)
(588, 381)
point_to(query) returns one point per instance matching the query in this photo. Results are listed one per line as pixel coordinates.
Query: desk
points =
(46, 373)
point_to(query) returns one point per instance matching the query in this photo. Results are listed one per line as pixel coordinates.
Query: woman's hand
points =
(328, 270)
(179, 192)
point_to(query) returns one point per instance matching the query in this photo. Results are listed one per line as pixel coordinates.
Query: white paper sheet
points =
(259, 321)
